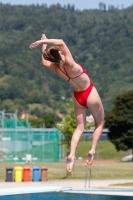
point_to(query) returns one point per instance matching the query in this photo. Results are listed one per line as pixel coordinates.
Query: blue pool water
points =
(65, 196)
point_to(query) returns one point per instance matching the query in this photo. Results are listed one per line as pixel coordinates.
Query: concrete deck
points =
(74, 184)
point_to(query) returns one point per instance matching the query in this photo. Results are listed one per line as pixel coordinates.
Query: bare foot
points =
(69, 163)
(90, 158)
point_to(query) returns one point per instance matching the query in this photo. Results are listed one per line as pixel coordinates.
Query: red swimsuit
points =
(80, 96)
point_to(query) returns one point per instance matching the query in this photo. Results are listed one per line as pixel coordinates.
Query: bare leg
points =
(80, 114)
(96, 108)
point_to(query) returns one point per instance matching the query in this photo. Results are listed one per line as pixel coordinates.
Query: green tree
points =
(47, 121)
(101, 41)
(35, 123)
(120, 122)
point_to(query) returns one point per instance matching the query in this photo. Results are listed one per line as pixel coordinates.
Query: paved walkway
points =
(75, 184)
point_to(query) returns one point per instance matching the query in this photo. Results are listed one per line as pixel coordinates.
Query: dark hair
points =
(52, 54)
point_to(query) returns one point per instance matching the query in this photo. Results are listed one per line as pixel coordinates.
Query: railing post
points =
(86, 178)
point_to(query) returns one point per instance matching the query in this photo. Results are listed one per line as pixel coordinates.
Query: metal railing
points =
(88, 178)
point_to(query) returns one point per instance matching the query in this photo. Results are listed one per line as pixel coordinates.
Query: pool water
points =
(64, 196)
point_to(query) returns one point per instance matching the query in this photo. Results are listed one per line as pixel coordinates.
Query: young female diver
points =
(59, 59)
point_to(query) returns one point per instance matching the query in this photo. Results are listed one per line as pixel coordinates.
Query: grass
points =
(106, 150)
(99, 170)
(123, 184)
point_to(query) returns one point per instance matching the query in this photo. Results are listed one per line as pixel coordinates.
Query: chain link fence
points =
(22, 143)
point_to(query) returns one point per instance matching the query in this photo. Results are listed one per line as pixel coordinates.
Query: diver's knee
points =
(100, 123)
(80, 128)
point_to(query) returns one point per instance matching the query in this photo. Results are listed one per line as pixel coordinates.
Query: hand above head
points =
(43, 36)
(44, 45)
(36, 44)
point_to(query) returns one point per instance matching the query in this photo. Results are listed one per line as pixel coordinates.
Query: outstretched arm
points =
(56, 42)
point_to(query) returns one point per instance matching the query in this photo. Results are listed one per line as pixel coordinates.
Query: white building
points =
(90, 119)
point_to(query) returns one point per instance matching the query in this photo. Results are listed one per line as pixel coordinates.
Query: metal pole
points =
(28, 141)
(1, 136)
(43, 144)
(86, 178)
(131, 162)
(15, 116)
(98, 163)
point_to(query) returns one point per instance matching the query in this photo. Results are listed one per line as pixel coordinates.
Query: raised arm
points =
(47, 63)
(56, 42)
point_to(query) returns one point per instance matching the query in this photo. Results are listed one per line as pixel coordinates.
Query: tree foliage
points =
(120, 122)
(101, 40)
(46, 121)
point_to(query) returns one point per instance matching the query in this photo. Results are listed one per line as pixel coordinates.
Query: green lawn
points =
(123, 184)
(99, 170)
(105, 150)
